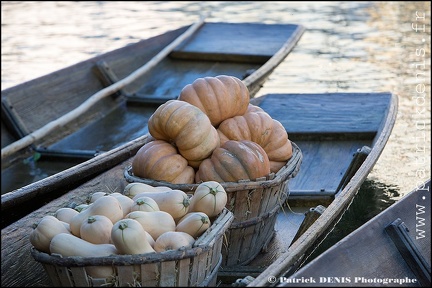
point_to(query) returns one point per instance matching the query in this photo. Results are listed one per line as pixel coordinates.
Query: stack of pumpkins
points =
(212, 132)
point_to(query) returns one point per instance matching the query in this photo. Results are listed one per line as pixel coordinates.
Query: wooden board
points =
(336, 113)
(250, 42)
(318, 159)
(327, 129)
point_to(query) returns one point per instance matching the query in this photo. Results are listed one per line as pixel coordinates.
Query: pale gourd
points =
(125, 202)
(46, 229)
(173, 240)
(209, 197)
(129, 237)
(145, 204)
(194, 223)
(96, 229)
(70, 245)
(65, 214)
(81, 207)
(175, 202)
(155, 223)
(94, 196)
(150, 239)
(135, 188)
(108, 206)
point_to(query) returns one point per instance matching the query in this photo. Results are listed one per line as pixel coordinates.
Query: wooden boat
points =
(393, 248)
(137, 78)
(341, 136)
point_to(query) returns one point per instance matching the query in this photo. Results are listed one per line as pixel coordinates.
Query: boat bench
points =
(340, 129)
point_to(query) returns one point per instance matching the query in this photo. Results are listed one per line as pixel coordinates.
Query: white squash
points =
(175, 202)
(209, 197)
(194, 223)
(129, 237)
(155, 223)
(108, 206)
(173, 240)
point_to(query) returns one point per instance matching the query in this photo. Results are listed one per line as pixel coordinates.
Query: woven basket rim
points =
(204, 243)
(289, 170)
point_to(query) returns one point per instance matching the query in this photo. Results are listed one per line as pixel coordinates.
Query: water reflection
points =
(372, 198)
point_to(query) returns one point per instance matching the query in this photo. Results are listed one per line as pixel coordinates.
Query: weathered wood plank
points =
(168, 274)
(149, 274)
(335, 113)
(318, 160)
(162, 83)
(240, 43)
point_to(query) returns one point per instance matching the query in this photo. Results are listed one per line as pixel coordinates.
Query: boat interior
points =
(335, 132)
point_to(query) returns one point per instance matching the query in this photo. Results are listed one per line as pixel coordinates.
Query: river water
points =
(347, 47)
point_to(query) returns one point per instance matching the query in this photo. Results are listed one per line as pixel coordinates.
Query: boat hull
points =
(286, 250)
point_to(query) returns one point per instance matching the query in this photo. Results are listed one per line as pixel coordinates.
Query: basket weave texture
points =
(194, 267)
(254, 204)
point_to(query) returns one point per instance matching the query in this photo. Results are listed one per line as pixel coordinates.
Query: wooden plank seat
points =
(342, 113)
(240, 43)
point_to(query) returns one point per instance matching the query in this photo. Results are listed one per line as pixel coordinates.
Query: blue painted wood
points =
(334, 113)
(251, 42)
(318, 171)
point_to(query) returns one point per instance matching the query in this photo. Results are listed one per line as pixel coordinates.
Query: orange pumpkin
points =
(233, 161)
(254, 108)
(219, 97)
(187, 127)
(258, 126)
(159, 160)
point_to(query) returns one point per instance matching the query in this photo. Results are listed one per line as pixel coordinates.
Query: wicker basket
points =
(194, 267)
(254, 204)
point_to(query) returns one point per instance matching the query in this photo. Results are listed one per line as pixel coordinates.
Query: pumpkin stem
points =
(212, 190)
(91, 219)
(123, 226)
(186, 202)
(204, 219)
